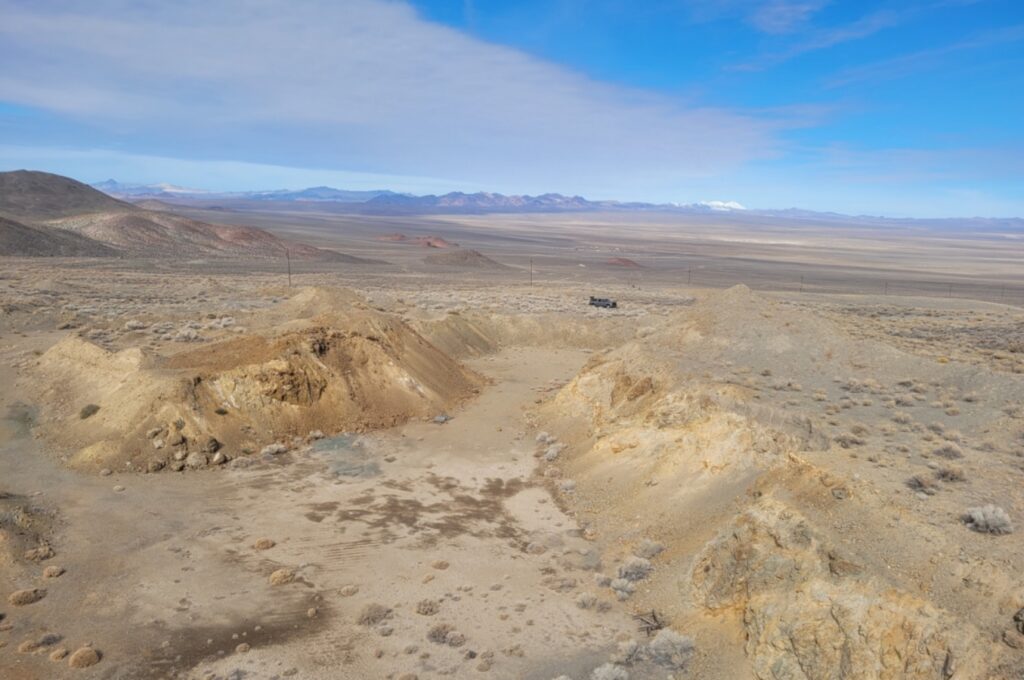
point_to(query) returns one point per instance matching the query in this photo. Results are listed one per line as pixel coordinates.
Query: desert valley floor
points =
(770, 462)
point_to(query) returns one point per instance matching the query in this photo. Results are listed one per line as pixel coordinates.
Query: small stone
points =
(282, 577)
(59, 654)
(84, 657)
(155, 466)
(196, 460)
(312, 612)
(119, 488)
(349, 591)
(264, 544)
(242, 648)
(106, 472)
(440, 564)
(20, 598)
(211, 445)
(53, 571)
(219, 458)
(178, 465)
(28, 646)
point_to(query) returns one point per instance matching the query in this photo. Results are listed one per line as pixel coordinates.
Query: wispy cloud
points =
(821, 39)
(922, 60)
(363, 84)
(784, 16)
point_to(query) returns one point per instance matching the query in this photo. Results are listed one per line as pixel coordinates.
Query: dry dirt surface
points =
(409, 471)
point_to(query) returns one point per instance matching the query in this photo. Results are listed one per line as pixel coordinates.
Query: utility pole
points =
(288, 257)
(801, 284)
(531, 272)
(689, 272)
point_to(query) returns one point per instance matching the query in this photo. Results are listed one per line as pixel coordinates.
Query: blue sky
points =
(897, 108)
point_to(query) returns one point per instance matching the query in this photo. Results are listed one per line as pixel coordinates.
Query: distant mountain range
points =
(163, 190)
(386, 202)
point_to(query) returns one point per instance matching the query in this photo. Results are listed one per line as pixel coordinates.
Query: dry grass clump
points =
(901, 417)
(923, 484)
(428, 607)
(950, 474)
(950, 451)
(988, 519)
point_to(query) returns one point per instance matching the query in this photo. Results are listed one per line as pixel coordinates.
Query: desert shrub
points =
(953, 436)
(372, 614)
(849, 440)
(648, 549)
(627, 653)
(950, 474)
(586, 601)
(88, 410)
(445, 634)
(989, 519)
(901, 417)
(937, 428)
(950, 451)
(635, 568)
(623, 588)
(923, 484)
(669, 649)
(609, 671)
(428, 607)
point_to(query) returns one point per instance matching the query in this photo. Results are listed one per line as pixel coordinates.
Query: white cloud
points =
(360, 84)
(784, 16)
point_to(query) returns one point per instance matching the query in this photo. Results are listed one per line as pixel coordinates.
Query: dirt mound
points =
(464, 259)
(19, 240)
(34, 196)
(776, 448)
(423, 241)
(624, 262)
(349, 371)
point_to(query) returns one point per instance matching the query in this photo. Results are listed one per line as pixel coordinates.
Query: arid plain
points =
(794, 450)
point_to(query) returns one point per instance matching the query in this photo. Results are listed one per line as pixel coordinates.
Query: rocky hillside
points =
(53, 215)
(20, 240)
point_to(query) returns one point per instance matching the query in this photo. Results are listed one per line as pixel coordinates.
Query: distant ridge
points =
(50, 215)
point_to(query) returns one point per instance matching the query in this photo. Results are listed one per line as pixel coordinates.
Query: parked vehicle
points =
(607, 303)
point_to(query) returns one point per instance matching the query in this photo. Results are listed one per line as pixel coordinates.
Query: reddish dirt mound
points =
(463, 259)
(424, 241)
(624, 262)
